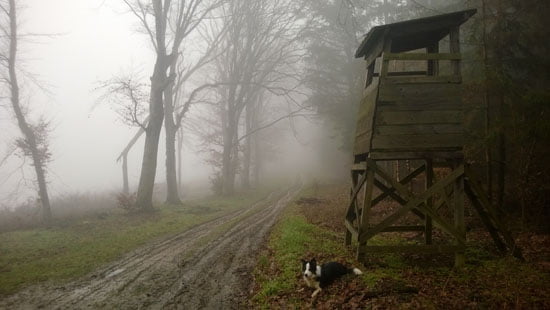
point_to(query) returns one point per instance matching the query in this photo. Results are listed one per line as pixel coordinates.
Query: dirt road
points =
(206, 267)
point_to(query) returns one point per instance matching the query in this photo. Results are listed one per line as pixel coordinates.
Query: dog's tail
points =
(355, 271)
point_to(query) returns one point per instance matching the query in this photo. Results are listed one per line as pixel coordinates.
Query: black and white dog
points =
(319, 277)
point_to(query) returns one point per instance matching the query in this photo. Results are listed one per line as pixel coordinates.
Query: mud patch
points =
(165, 276)
(201, 210)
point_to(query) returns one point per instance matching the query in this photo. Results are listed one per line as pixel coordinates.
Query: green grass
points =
(292, 238)
(487, 281)
(69, 250)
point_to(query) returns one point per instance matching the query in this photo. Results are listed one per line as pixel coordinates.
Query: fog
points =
(89, 42)
(73, 47)
(194, 153)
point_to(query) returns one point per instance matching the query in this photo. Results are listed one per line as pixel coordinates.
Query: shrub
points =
(127, 202)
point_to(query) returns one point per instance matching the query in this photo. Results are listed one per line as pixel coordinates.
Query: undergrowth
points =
(308, 228)
(278, 271)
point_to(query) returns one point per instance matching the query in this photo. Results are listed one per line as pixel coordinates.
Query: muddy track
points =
(206, 267)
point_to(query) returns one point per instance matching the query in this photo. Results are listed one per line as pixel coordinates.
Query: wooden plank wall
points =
(418, 117)
(365, 118)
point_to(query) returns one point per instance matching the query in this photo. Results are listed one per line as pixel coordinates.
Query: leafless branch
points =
(128, 96)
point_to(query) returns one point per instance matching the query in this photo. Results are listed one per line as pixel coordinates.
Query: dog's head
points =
(309, 268)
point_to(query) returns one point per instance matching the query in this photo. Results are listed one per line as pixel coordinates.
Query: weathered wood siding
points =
(363, 133)
(417, 117)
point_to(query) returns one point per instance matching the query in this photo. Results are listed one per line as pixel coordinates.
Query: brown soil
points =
(424, 281)
(180, 272)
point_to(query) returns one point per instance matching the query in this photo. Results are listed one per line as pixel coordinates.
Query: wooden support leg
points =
(367, 203)
(353, 210)
(347, 241)
(429, 202)
(460, 258)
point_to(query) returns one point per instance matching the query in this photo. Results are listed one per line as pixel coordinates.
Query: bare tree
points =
(167, 23)
(261, 42)
(34, 140)
(127, 95)
(174, 106)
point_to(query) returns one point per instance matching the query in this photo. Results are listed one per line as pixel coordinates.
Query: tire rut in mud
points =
(208, 266)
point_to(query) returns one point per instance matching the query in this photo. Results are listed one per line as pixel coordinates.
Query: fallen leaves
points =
(412, 281)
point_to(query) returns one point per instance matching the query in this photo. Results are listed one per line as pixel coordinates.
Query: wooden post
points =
(433, 65)
(370, 74)
(353, 202)
(429, 201)
(369, 187)
(385, 62)
(460, 259)
(454, 47)
(347, 241)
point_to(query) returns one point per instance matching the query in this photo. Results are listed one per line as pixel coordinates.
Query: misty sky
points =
(92, 41)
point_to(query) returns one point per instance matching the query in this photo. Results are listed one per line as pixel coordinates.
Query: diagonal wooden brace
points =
(412, 203)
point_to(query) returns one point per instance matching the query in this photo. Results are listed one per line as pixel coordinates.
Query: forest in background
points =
(506, 96)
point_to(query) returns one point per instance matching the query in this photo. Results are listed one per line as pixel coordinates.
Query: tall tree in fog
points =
(33, 142)
(260, 44)
(334, 75)
(167, 23)
(175, 107)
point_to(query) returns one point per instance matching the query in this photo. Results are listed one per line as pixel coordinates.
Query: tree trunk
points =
(228, 174)
(172, 195)
(124, 156)
(159, 81)
(501, 151)
(27, 131)
(257, 162)
(257, 149)
(501, 138)
(230, 130)
(488, 122)
(125, 185)
(144, 199)
(247, 148)
(179, 136)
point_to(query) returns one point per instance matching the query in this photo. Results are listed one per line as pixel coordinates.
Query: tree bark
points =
(257, 148)
(179, 136)
(144, 199)
(124, 156)
(29, 134)
(172, 194)
(228, 174)
(125, 185)
(501, 137)
(247, 151)
(159, 81)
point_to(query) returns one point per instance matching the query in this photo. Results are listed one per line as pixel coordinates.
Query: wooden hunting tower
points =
(412, 110)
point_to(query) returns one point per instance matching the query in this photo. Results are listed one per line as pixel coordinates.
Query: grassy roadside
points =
(277, 275)
(69, 250)
(392, 281)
